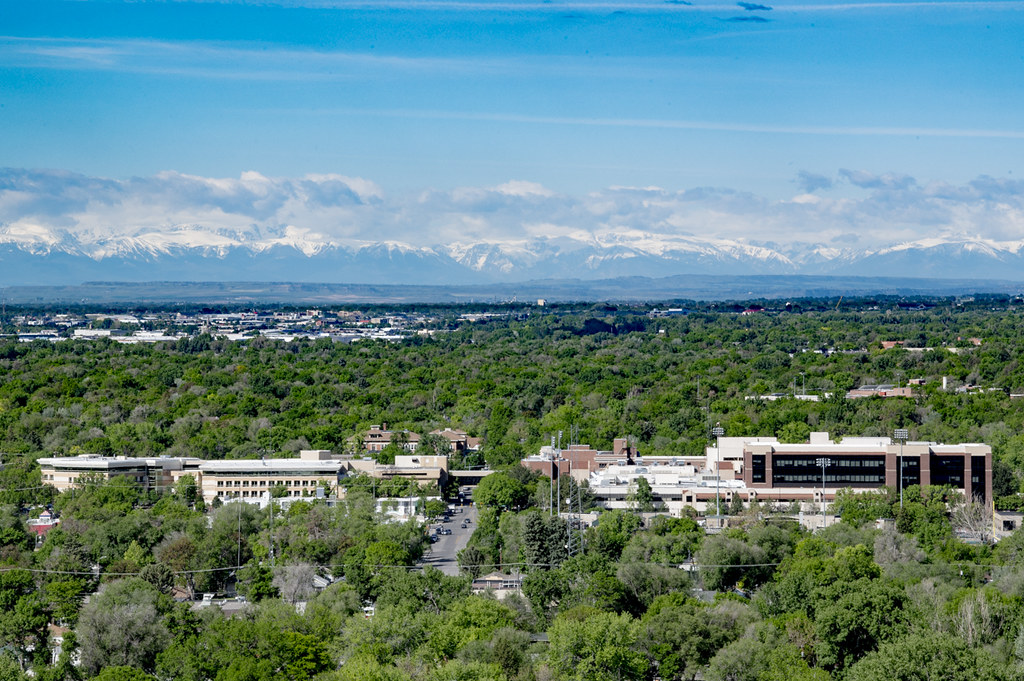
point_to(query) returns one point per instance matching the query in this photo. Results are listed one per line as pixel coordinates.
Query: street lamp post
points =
(901, 434)
(824, 462)
(718, 431)
(803, 376)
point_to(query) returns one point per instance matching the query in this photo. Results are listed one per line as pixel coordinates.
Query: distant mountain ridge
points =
(195, 253)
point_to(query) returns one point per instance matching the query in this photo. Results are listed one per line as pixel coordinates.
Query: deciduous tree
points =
(122, 625)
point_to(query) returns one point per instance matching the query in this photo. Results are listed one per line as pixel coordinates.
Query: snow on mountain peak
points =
(976, 244)
(663, 245)
(392, 247)
(547, 250)
(307, 241)
(28, 234)
(160, 243)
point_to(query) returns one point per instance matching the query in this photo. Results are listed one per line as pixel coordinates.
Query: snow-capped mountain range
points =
(196, 253)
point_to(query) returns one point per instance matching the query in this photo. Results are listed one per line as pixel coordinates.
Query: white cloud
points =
(523, 188)
(171, 208)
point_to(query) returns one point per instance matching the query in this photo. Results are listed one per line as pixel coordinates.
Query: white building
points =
(809, 474)
(672, 487)
(67, 472)
(253, 479)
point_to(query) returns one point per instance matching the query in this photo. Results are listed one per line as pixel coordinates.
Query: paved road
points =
(442, 555)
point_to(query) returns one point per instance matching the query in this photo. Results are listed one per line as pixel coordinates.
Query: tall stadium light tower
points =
(718, 431)
(901, 435)
(824, 462)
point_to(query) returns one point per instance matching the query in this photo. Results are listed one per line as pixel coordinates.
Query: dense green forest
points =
(610, 373)
(763, 601)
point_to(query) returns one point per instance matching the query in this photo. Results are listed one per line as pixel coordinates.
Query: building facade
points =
(315, 473)
(68, 472)
(581, 460)
(254, 479)
(765, 470)
(865, 464)
(377, 438)
(424, 469)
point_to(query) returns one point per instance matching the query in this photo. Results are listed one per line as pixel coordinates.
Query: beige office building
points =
(158, 473)
(254, 478)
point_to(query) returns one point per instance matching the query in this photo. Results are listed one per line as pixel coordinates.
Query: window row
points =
(267, 483)
(875, 462)
(256, 494)
(839, 479)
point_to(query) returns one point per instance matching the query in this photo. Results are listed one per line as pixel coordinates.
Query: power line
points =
(420, 567)
(101, 573)
(409, 568)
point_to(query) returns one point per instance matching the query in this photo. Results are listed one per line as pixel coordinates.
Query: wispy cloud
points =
(269, 62)
(707, 126)
(812, 182)
(222, 60)
(866, 180)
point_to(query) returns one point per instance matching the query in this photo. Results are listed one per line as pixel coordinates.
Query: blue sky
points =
(875, 112)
